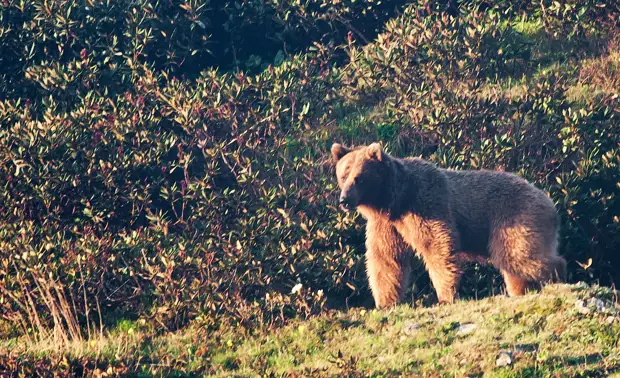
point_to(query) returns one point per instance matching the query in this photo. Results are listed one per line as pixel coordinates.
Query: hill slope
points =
(542, 334)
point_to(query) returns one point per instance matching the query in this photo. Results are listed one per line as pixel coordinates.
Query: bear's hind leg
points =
(388, 262)
(526, 256)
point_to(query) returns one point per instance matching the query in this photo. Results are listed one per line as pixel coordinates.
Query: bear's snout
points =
(347, 200)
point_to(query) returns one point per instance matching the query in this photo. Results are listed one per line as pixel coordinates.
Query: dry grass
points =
(603, 72)
(65, 331)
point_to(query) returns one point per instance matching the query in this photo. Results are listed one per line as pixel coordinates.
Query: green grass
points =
(591, 67)
(544, 331)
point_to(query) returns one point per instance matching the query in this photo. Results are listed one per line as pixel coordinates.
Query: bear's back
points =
(482, 199)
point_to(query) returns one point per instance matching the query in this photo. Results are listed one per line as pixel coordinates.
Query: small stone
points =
(410, 328)
(595, 304)
(582, 308)
(504, 359)
(466, 329)
(598, 304)
(381, 358)
(610, 319)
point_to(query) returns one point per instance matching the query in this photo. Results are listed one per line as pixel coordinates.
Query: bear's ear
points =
(375, 151)
(338, 151)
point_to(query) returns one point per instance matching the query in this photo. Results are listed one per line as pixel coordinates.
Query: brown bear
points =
(447, 217)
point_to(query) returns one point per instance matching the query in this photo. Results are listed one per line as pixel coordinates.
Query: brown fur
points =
(448, 217)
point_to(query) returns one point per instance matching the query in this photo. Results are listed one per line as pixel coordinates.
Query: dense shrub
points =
(183, 37)
(139, 181)
(119, 146)
(183, 196)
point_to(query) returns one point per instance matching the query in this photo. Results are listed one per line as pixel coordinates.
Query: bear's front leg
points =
(388, 262)
(445, 276)
(436, 241)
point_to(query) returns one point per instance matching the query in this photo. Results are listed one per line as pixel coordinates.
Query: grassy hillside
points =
(546, 334)
(165, 179)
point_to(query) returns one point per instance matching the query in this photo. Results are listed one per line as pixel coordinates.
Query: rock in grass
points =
(410, 328)
(466, 329)
(610, 319)
(602, 306)
(581, 307)
(504, 359)
(595, 305)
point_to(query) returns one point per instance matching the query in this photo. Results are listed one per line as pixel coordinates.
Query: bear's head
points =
(363, 175)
